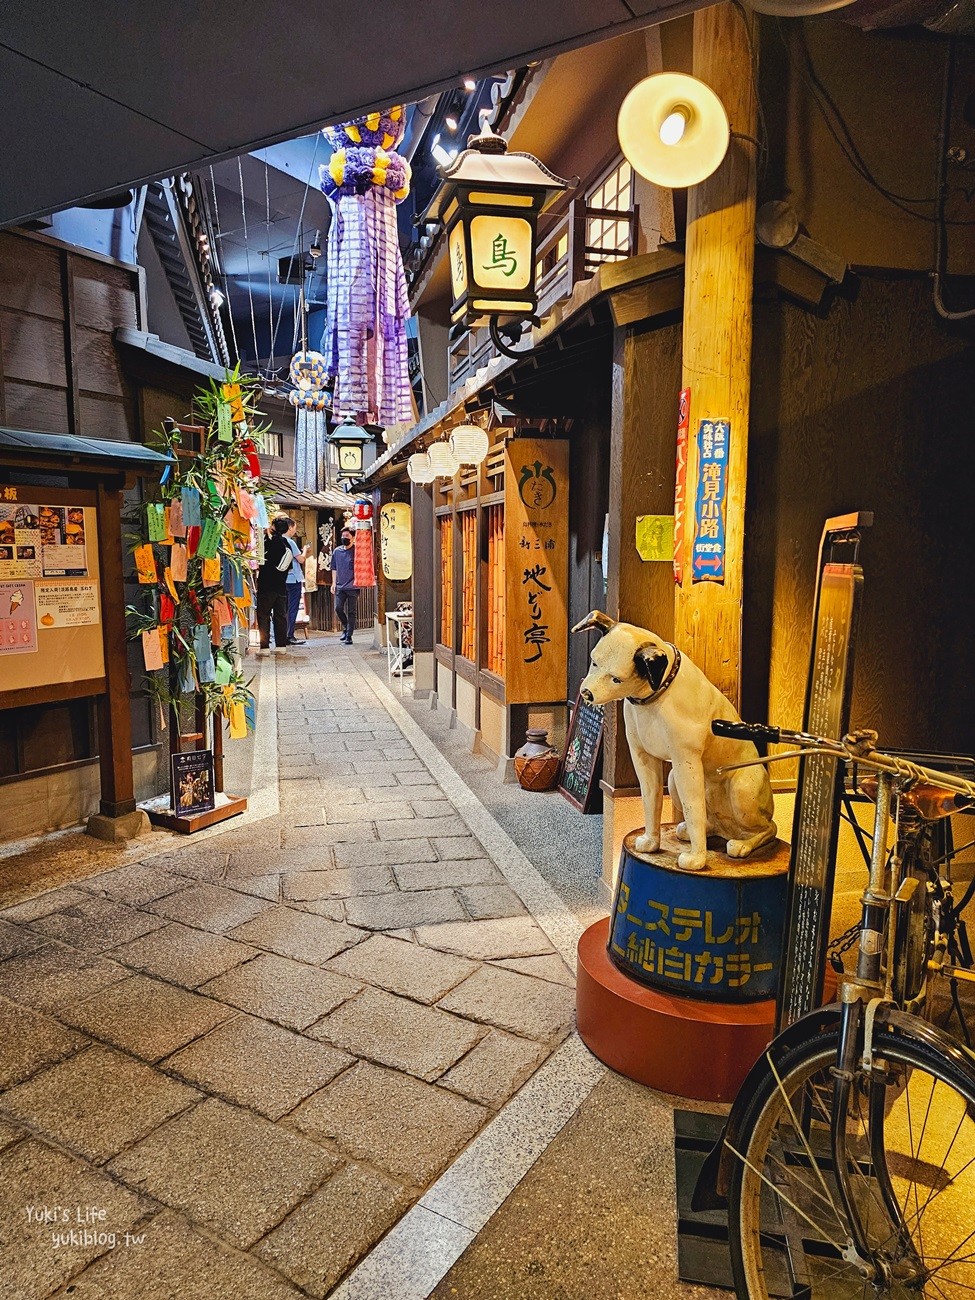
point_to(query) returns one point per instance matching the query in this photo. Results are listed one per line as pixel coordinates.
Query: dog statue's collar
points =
(655, 695)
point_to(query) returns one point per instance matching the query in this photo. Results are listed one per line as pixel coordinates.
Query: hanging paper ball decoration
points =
(308, 371)
(313, 399)
(419, 468)
(362, 509)
(443, 460)
(469, 443)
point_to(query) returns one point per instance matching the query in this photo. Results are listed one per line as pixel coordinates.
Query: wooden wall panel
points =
(103, 296)
(29, 407)
(99, 367)
(869, 408)
(105, 417)
(33, 349)
(30, 277)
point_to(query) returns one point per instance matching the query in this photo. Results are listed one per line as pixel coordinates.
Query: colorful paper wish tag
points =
(238, 721)
(145, 564)
(157, 521)
(225, 430)
(192, 538)
(203, 651)
(224, 670)
(163, 631)
(260, 517)
(152, 649)
(233, 583)
(187, 681)
(190, 498)
(176, 524)
(170, 585)
(167, 608)
(177, 562)
(259, 543)
(211, 572)
(231, 394)
(250, 713)
(209, 542)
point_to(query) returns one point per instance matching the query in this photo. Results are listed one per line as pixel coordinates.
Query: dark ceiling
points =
(98, 95)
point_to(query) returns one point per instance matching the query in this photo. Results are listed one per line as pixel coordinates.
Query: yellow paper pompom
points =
(373, 120)
(336, 166)
(353, 133)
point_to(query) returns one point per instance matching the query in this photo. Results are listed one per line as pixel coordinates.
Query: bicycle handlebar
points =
(857, 747)
(754, 731)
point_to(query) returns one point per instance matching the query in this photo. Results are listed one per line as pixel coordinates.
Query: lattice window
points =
(446, 525)
(494, 613)
(468, 627)
(608, 238)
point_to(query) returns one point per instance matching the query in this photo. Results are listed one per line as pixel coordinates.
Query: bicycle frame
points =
(866, 997)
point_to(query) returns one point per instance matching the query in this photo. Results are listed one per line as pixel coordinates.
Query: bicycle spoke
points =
(798, 1128)
(791, 1204)
(934, 1192)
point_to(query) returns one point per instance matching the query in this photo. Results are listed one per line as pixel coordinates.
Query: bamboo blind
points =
(468, 628)
(446, 580)
(494, 656)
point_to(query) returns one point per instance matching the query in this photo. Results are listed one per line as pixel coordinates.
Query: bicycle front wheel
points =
(913, 1180)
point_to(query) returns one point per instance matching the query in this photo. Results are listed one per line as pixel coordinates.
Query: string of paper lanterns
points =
(468, 444)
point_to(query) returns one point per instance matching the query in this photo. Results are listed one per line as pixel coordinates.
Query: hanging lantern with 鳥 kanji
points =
(489, 206)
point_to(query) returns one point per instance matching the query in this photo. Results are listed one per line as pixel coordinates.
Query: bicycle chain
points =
(842, 944)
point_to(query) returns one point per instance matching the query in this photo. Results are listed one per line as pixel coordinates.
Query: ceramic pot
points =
(537, 762)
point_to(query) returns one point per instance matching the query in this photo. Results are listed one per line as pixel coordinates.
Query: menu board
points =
(42, 541)
(582, 757)
(50, 603)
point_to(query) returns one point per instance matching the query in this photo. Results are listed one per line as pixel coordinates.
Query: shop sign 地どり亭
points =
(536, 536)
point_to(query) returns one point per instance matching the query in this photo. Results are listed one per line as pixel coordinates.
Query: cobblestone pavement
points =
(229, 1068)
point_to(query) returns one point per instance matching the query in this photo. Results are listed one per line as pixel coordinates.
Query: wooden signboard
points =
(816, 825)
(51, 636)
(581, 764)
(536, 536)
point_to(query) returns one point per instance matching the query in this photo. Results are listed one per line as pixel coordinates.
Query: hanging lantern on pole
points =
(420, 469)
(349, 444)
(470, 444)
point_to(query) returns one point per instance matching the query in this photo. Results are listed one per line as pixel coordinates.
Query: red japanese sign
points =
(683, 422)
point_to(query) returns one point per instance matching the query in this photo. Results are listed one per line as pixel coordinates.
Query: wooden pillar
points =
(426, 573)
(114, 715)
(718, 285)
(646, 371)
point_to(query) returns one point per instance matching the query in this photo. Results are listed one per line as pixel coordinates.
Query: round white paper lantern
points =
(469, 443)
(443, 460)
(419, 468)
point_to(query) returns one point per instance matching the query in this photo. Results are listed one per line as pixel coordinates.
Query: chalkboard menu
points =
(581, 764)
(816, 824)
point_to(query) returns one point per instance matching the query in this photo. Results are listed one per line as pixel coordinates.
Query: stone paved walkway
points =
(255, 1053)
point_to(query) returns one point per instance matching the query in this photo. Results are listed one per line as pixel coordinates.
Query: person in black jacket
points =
(272, 597)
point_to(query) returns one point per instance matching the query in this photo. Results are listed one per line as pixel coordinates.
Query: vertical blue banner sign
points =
(707, 555)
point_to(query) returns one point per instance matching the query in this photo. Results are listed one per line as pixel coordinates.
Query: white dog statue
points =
(668, 709)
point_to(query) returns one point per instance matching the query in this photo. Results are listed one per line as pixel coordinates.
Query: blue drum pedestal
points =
(714, 934)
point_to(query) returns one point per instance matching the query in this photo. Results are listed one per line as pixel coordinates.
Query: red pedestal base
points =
(675, 1044)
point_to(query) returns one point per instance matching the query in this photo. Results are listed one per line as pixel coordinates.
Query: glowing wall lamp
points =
(489, 206)
(673, 129)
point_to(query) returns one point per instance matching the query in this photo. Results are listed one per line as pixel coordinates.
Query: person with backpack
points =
(272, 579)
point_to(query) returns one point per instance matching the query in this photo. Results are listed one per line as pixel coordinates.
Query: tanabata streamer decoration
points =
(368, 307)
(309, 374)
(194, 573)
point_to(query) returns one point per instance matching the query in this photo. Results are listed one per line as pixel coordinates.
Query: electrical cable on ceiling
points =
(841, 133)
(298, 238)
(762, 141)
(247, 263)
(223, 273)
(941, 241)
(270, 289)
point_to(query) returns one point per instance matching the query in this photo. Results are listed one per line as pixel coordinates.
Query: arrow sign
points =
(713, 442)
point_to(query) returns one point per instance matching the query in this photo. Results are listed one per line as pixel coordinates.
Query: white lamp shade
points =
(698, 150)
(469, 443)
(419, 468)
(443, 460)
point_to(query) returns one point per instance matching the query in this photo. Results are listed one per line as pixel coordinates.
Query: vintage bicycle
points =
(847, 1162)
